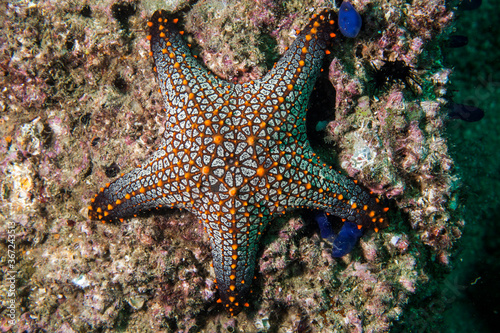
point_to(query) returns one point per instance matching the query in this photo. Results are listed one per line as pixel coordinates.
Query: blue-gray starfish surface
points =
(236, 155)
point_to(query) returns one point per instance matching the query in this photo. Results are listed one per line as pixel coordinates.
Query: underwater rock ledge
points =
(79, 100)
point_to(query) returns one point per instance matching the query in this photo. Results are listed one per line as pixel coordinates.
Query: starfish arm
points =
(150, 186)
(192, 95)
(318, 186)
(292, 78)
(234, 252)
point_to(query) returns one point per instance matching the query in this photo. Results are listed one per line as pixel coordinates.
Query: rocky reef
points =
(79, 105)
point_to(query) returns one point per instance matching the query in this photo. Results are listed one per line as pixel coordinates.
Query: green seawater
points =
(468, 298)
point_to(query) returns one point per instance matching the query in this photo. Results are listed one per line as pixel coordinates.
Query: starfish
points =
(236, 155)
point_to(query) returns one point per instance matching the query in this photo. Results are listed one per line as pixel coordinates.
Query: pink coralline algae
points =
(78, 95)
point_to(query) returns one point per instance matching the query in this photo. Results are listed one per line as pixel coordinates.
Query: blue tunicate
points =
(346, 239)
(344, 242)
(325, 228)
(349, 20)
